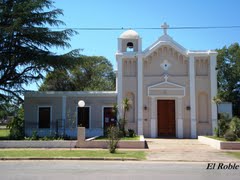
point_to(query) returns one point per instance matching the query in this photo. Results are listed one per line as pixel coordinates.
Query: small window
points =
(44, 117)
(83, 116)
(129, 47)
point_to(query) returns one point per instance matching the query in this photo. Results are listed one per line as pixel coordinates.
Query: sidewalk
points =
(175, 150)
(185, 150)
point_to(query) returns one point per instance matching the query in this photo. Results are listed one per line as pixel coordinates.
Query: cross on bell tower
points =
(165, 26)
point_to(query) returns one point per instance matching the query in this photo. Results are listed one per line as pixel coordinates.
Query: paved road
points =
(185, 150)
(117, 170)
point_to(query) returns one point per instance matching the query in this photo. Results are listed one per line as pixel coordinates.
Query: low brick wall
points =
(103, 144)
(221, 145)
(92, 143)
(230, 145)
(38, 144)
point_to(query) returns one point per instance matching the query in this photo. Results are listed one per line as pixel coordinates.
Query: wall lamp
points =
(145, 107)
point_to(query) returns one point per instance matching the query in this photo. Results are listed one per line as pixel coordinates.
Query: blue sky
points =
(149, 13)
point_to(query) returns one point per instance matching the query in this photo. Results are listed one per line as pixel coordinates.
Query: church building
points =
(171, 90)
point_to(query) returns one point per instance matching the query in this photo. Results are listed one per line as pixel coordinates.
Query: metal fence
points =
(58, 128)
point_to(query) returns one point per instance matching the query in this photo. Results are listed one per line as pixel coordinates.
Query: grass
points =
(235, 154)
(27, 153)
(136, 138)
(221, 138)
(4, 134)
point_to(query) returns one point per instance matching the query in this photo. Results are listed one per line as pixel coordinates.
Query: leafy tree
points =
(7, 109)
(122, 121)
(26, 36)
(228, 65)
(93, 73)
(57, 80)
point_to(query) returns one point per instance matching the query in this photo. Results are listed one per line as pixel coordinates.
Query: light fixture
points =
(81, 103)
(145, 107)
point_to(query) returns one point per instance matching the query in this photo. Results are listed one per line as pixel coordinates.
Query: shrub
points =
(235, 126)
(121, 125)
(34, 135)
(230, 136)
(223, 125)
(113, 135)
(131, 133)
(16, 126)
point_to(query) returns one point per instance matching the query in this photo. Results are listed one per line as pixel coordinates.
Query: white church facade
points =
(170, 89)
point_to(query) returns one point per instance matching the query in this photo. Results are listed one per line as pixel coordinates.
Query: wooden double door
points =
(166, 118)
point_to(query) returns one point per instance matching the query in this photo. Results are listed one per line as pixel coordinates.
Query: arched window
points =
(129, 47)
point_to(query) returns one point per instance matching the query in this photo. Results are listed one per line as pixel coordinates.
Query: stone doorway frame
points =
(166, 91)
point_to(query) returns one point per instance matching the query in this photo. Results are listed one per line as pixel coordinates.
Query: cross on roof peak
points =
(165, 26)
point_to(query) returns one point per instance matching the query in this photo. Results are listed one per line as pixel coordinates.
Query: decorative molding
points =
(165, 65)
(70, 93)
(165, 41)
(166, 89)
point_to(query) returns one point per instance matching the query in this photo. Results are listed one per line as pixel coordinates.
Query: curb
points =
(73, 158)
(194, 161)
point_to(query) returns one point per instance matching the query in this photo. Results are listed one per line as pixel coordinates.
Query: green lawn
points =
(4, 134)
(235, 154)
(220, 138)
(23, 153)
(136, 138)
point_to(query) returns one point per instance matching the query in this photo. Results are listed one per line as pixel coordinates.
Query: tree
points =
(26, 36)
(122, 121)
(57, 80)
(126, 105)
(7, 109)
(93, 73)
(228, 65)
(114, 136)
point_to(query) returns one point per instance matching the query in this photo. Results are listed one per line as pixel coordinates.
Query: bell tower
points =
(129, 41)
(130, 77)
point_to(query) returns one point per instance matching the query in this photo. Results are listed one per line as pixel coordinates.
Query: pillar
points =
(64, 117)
(179, 118)
(153, 118)
(213, 79)
(140, 95)
(119, 85)
(192, 96)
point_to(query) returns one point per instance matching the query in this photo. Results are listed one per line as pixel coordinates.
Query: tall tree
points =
(228, 65)
(26, 36)
(93, 73)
